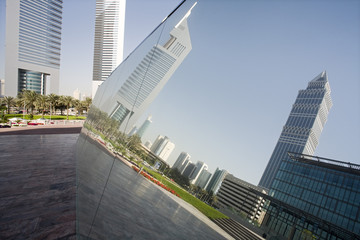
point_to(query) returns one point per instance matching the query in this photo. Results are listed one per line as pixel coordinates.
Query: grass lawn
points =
(53, 117)
(208, 211)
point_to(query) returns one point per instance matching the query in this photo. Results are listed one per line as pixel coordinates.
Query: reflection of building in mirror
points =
(149, 77)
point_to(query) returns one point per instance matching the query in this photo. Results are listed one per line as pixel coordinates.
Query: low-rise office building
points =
(314, 198)
(237, 195)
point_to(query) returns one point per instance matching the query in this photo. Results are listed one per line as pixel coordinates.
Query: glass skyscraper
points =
(320, 199)
(33, 44)
(303, 128)
(180, 161)
(144, 127)
(109, 39)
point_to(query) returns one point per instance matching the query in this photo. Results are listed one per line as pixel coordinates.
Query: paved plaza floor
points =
(37, 186)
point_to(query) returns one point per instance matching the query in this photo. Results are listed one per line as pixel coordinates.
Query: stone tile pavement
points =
(37, 186)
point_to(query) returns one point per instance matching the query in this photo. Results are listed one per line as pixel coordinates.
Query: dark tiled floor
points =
(37, 186)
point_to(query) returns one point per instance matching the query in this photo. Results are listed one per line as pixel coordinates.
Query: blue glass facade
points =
(302, 130)
(326, 192)
(31, 80)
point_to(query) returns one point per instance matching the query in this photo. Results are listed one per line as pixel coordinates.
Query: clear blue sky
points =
(227, 103)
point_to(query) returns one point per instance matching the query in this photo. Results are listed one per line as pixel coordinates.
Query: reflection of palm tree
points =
(67, 101)
(9, 101)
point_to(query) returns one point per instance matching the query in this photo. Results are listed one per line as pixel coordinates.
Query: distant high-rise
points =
(203, 178)
(216, 180)
(77, 94)
(144, 127)
(188, 171)
(162, 147)
(33, 44)
(2, 87)
(200, 166)
(181, 160)
(303, 128)
(184, 166)
(109, 39)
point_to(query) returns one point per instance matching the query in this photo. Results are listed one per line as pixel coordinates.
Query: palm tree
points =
(9, 101)
(41, 102)
(86, 103)
(78, 106)
(53, 99)
(30, 99)
(67, 101)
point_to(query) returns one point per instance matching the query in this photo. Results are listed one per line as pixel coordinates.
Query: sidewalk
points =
(72, 128)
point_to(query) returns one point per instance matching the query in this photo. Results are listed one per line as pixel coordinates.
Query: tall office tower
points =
(141, 85)
(33, 42)
(162, 147)
(203, 178)
(188, 171)
(303, 128)
(77, 94)
(168, 148)
(181, 160)
(144, 127)
(216, 180)
(109, 39)
(158, 141)
(132, 131)
(200, 166)
(2, 87)
(184, 166)
(148, 144)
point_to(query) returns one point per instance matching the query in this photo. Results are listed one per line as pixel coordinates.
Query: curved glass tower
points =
(303, 128)
(114, 201)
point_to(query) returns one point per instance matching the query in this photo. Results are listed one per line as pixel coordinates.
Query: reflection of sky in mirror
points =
(228, 101)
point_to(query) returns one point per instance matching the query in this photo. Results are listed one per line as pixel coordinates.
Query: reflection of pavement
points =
(37, 185)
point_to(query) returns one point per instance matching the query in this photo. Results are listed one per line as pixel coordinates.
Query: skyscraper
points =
(162, 147)
(216, 180)
(200, 166)
(180, 161)
(136, 88)
(33, 43)
(189, 170)
(203, 178)
(303, 128)
(144, 127)
(109, 39)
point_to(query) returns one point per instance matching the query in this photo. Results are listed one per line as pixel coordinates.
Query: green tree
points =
(53, 100)
(30, 99)
(41, 103)
(78, 105)
(9, 102)
(67, 101)
(87, 103)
